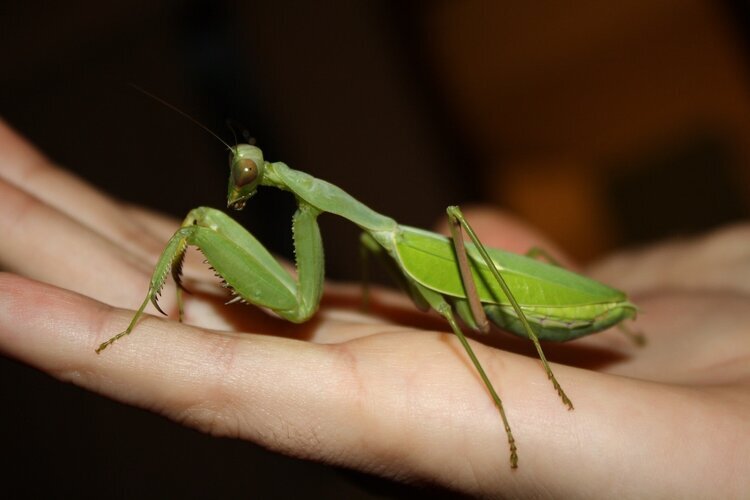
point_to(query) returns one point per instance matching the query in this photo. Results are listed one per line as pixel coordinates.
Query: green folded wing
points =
(429, 258)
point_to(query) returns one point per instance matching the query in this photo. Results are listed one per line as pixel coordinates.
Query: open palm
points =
(390, 391)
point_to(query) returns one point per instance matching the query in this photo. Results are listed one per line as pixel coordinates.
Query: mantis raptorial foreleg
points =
(458, 224)
(246, 267)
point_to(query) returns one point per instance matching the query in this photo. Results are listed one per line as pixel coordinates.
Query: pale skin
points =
(391, 392)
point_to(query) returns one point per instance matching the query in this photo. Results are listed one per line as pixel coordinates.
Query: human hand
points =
(391, 392)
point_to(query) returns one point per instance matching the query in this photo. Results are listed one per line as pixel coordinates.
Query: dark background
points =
(605, 124)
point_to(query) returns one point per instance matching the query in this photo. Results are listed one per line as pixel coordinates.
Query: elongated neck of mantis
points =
(326, 197)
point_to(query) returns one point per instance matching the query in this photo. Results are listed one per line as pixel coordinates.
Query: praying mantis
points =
(457, 279)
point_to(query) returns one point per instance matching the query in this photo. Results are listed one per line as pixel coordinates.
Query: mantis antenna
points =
(181, 112)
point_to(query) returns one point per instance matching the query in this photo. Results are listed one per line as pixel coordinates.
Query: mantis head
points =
(245, 174)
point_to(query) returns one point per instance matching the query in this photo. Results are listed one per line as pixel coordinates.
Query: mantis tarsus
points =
(480, 285)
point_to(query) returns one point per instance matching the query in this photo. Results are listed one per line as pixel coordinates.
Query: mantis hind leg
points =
(439, 304)
(458, 223)
(540, 253)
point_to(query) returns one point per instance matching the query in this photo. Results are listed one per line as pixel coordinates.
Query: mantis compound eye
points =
(246, 168)
(244, 172)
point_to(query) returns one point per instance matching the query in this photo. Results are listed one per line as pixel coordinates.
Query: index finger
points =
(411, 409)
(24, 167)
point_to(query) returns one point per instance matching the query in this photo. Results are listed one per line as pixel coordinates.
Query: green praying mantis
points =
(521, 294)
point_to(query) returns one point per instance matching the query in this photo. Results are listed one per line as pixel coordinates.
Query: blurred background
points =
(606, 124)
